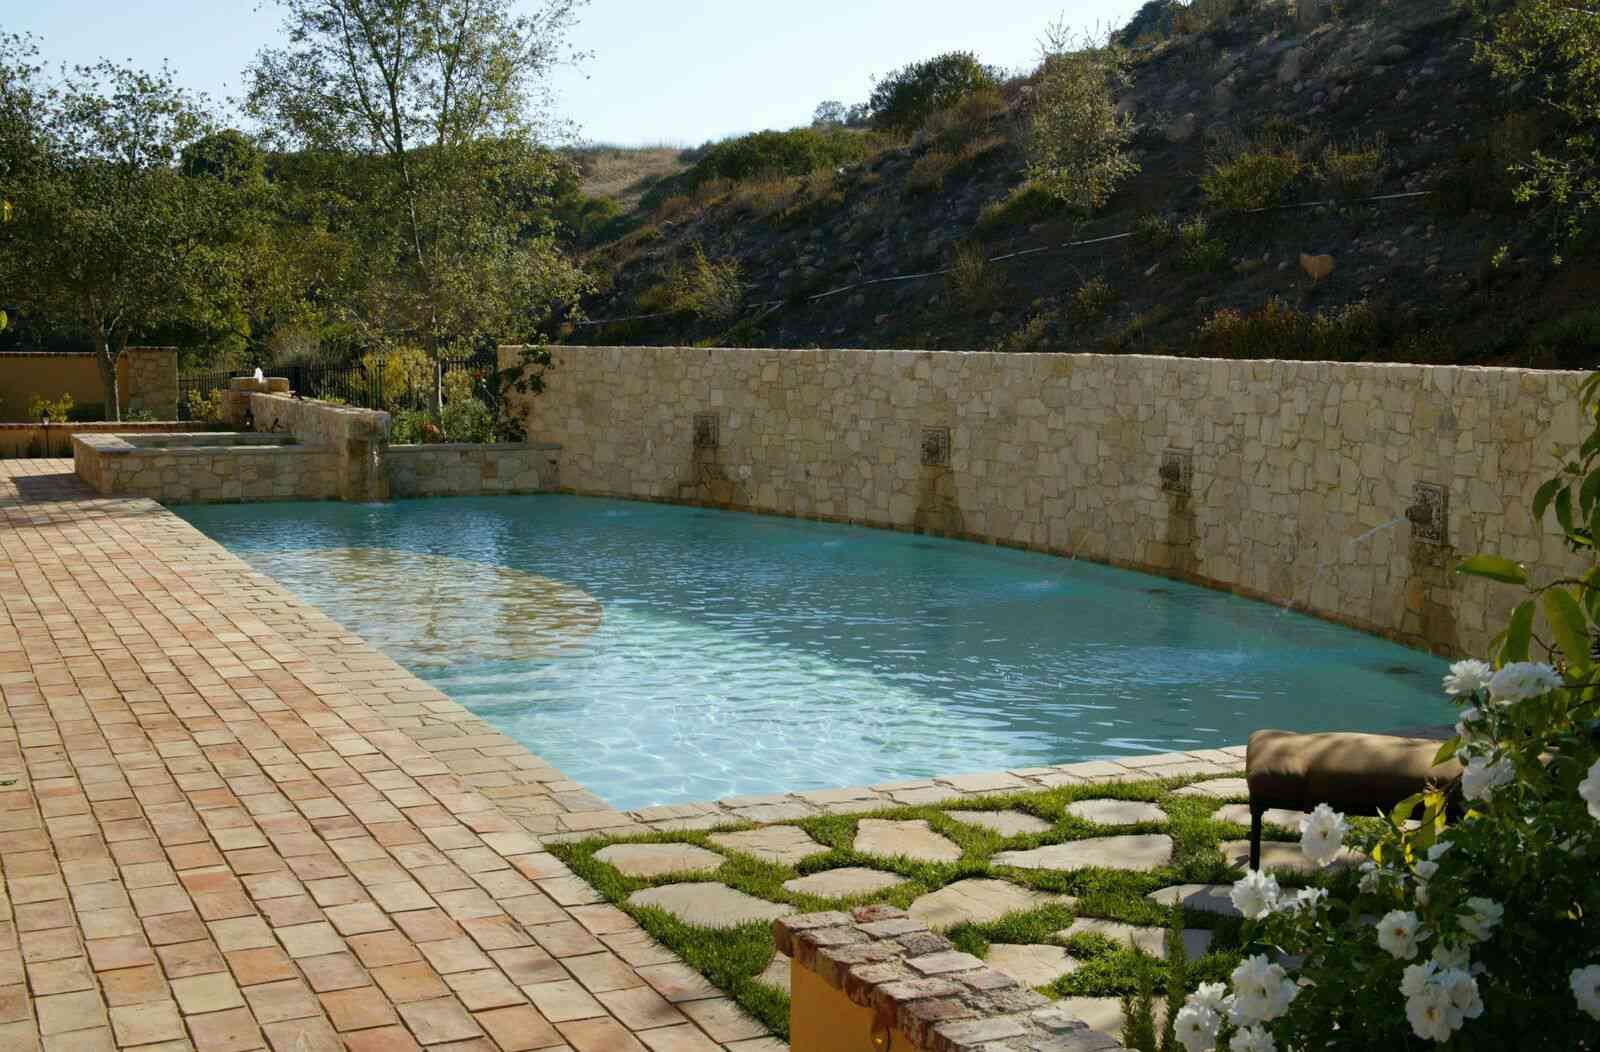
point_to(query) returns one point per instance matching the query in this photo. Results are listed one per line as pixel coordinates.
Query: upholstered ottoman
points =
(1364, 774)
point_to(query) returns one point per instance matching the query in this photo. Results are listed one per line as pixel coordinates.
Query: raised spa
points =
(661, 654)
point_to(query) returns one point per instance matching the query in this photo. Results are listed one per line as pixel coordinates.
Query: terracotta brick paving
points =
(227, 823)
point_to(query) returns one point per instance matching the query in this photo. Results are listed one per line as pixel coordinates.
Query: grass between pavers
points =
(732, 958)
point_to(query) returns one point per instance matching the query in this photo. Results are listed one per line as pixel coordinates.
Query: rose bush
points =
(1477, 932)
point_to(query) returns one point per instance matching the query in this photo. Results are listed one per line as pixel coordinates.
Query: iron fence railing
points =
(364, 382)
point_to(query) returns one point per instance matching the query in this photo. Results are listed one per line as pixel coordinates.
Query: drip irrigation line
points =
(772, 305)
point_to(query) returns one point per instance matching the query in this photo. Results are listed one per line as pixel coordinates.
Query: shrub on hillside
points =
(698, 287)
(1198, 249)
(1092, 300)
(968, 119)
(1025, 204)
(905, 99)
(973, 279)
(1354, 168)
(1077, 139)
(1247, 176)
(1279, 330)
(764, 155)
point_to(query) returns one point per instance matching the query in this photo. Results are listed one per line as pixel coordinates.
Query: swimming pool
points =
(661, 654)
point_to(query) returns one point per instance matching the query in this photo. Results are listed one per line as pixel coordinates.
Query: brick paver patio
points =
(227, 823)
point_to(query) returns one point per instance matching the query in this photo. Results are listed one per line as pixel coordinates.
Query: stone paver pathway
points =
(1033, 965)
(227, 823)
(1217, 789)
(1212, 898)
(1277, 854)
(1107, 852)
(977, 900)
(911, 839)
(847, 880)
(1005, 823)
(784, 845)
(1150, 940)
(657, 860)
(1274, 816)
(709, 904)
(1116, 812)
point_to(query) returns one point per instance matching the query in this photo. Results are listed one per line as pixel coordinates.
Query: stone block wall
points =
(358, 437)
(148, 381)
(207, 474)
(466, 470)
(1286, 481)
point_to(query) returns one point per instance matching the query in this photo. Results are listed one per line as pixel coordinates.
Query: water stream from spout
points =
(1322, 564)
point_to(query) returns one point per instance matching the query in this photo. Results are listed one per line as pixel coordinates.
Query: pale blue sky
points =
(663, 70)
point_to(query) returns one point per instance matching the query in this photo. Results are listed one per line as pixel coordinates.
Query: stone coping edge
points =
(920, 984)
(487, 447)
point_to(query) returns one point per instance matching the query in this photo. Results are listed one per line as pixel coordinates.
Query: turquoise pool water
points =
(661, 654)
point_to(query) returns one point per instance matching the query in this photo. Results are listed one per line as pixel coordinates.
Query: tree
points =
(829, 114)
(1077, 139)
(108, 234)
(906, 98)
(452, 238)
(1553, 47)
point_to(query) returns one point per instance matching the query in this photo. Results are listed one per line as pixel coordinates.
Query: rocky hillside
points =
(1382, 100)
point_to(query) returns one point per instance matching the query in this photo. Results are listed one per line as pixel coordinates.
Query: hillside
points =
(1384, 99)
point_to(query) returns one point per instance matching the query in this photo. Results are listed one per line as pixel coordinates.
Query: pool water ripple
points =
(659, 654)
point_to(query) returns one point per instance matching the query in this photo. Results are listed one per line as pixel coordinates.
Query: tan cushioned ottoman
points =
(1365, 771)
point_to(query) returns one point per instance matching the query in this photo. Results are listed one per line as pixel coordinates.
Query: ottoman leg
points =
(1256, 813)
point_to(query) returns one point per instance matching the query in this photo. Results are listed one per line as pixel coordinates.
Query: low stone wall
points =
(357, 437)
(467, 470)
(1287, 481)
(34, 440)
(203, 473)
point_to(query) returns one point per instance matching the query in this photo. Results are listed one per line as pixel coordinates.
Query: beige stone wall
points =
(357, 436)
(207, 475)
(451, 470)
(147, 378)
(1292, 463)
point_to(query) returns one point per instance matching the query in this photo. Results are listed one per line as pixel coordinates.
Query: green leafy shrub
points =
(410, 427)
(1025, 204)
(210, 408)
(969, 118)
(1093, 300)
(1253, 177)
(929, 171)
(905, 99)
(467, 420)
(766, 154)
(1031, 336)
(1197, 249)
(973, 279)
(60, 409)
(1153, 230)
(1077, 139)
(1354, 169)
(697, 287)
(406, 375)
(1278, 330)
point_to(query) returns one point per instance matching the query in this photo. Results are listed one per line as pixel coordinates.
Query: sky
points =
(662, 71)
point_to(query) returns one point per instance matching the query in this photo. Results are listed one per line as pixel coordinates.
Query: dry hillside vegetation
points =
(1185, 157)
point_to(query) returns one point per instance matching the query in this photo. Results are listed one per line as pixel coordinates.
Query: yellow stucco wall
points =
(29, 374)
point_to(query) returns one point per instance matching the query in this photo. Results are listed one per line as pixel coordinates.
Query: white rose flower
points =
(1308, 899)
(1210, 995)
(1464, 729)
(1436, 852)
(1462, 989)
(1369, 877)
(1322, 834)
(1425, 871)
(1468, 677)
(1481, 917)
(1197, 1027)
(1586, 988)
(1482, 776)
(1448, 957)
(1256, 895)
(1524, 679)
(1589, 789)
(1417, 976)
(1253, 1039)
(1429, 1013)
(1398, 933)
(1262, 991)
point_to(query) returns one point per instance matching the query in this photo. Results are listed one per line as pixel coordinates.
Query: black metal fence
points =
(366, 382)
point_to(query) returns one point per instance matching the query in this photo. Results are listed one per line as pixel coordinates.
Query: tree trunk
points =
(106, 358)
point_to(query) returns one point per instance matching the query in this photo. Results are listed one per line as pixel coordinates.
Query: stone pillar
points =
(874, 979)
(236, 399)
(149, 382)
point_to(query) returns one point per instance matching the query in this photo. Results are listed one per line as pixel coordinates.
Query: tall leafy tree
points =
(108, 233)
(453, 243)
